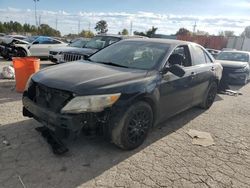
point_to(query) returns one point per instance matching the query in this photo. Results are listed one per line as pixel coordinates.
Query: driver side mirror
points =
(175, 69)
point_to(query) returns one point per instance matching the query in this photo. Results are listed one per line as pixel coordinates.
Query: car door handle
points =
(192, 76)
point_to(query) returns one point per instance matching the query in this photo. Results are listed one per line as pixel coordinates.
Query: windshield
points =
(233, 56)
(80, 43)
(100, 42)
(132, 54)
(30, 39)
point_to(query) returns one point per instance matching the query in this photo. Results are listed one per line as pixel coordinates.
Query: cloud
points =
(141, 21)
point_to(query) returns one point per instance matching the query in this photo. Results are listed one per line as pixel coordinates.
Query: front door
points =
(177, 93)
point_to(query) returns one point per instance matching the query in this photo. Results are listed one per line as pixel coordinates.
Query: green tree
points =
(149, 33)
(2, 28)
(139, 33)
(101, 26)
(86, 34)
(183, 31)
(124, 32)
(246, 32)
(45, 29)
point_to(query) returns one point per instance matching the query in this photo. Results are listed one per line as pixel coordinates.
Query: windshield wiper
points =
(112, 64)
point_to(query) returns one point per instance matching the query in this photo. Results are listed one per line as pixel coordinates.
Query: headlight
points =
(93, 103)
(242, 69)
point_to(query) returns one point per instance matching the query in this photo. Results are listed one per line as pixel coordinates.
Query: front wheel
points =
(21, 53)
(133, 127)
(210, 96)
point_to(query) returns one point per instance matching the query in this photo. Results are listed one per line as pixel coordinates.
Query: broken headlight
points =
(92, 103)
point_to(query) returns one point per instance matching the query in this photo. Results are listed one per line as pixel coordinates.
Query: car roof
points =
(121, 36)
(165, 41)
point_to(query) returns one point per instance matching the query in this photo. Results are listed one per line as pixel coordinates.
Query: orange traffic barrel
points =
(24, 68)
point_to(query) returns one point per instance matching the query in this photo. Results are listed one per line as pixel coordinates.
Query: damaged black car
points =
(122, 91)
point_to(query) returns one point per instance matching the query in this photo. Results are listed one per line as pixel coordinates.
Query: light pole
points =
(35, 12)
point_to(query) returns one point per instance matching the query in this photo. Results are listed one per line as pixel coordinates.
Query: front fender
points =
(24, 48)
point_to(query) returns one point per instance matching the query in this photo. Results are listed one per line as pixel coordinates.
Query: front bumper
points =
(52, 119)
(51, 58)
(74, 123)
(237, 78)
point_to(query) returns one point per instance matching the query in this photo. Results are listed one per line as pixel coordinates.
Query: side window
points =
(111, 40)
(198, 56)
(44, 40)
(54, 41)
(181, 56)
(208, 59)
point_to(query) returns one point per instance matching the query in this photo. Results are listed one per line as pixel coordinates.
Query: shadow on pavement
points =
(8, 92)
(30, 157)
(237, 87)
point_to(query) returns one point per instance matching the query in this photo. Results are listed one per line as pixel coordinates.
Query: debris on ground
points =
(20, 179)
(6, 142)
(57, 146)
(8, 72)
(201, 138)
(231, 92)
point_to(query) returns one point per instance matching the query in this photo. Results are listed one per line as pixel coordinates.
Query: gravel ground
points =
(166, 159)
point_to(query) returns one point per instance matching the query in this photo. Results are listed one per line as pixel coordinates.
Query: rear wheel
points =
(210, 96)
(133, 127)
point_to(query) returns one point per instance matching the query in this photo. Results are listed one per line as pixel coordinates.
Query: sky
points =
(70, 16)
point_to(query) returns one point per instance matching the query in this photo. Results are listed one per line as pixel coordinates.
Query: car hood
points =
(86, 78)
(232, 64)
(10, 40)
(64, 49)
(82, 51)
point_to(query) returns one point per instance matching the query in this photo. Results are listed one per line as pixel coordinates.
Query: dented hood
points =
(84, 77)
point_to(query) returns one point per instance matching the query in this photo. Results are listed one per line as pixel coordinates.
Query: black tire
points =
(132, 128)
(244, 82)
(21, 53)
(210, 96)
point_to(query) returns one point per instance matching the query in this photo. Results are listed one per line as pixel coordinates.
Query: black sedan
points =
(235, 66)
(123, 90)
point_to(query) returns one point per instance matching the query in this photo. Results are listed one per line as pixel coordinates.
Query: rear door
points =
(177, 93)
(203, 69)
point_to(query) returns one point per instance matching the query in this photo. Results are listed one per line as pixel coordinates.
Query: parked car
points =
(55, 54)
(39, 47)
(7, 46)
(123, 90)
(213, 52)
(235, 66)
(96, 43)
(20, 37)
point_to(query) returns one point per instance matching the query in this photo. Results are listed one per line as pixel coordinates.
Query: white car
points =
(55, 54)
(40, 47)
